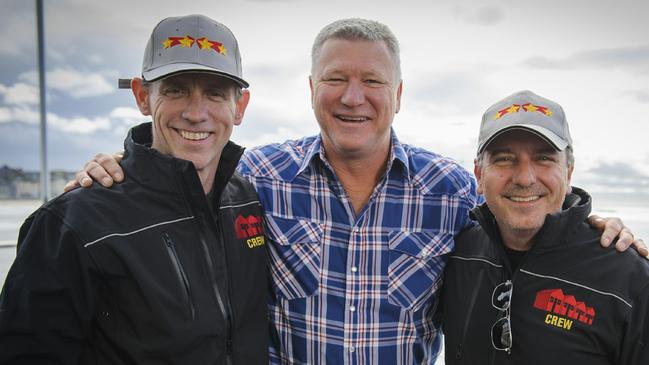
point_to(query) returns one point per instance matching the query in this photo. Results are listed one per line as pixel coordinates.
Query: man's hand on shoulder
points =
(614, 227)
(103, 168)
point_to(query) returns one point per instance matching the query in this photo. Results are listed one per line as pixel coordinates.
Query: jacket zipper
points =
(219, 299)
(182, 277)
(225, 311)
(228, 304)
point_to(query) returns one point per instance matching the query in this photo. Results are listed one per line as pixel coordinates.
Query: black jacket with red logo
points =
(573, 302)
(142, 273)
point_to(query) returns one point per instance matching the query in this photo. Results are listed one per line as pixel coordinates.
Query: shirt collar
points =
(397, 153)
(311, 151)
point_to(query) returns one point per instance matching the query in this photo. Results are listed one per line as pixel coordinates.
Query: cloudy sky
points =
(458, 57)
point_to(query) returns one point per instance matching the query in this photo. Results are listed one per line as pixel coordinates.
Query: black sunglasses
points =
(501, 331)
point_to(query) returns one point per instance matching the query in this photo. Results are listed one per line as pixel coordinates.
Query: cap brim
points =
(177, 68)
(546, 134)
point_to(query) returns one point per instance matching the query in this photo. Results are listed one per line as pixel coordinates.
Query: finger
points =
(70, 185)
(596, 222)
(612, 228)
(95, 171)
(641, 247)
(110, 165)
(82, 178)
(625, 239)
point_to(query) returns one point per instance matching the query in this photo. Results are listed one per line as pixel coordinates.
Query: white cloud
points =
(125, 113)
(127, 116)
(78, 125)
(18, 114)
(79, 84)
(20, 94)
(5, 115)
(76, 84)
(631, 59)
(484, 15)
(120, 118)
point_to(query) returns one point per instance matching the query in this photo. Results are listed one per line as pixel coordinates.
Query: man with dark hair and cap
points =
(168, 267)
(529, 285)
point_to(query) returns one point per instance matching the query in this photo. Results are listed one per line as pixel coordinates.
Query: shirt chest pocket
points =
(295, 250)
(416, 264)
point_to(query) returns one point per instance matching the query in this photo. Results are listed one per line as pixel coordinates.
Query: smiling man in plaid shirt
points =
(359, 225)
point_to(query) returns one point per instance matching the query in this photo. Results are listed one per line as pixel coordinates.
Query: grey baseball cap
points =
(192, 43)
(527, 111)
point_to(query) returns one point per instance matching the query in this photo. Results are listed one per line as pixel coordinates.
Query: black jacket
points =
(573, 302)
(142, 273)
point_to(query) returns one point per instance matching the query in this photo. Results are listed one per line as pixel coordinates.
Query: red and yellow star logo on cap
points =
(529, 108)
(187, 41)
(203, 44)
(171, 41)
(510, 109)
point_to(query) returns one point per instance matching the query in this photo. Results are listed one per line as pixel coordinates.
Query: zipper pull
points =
(167, 239)
(228, 346)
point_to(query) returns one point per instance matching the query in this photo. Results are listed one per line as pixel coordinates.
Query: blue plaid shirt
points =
(357, 288)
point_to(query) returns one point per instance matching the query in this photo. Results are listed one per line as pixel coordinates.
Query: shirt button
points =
(352, 308)
(354, 269)
(352, 349)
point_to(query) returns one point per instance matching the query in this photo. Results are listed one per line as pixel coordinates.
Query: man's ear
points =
(569, 177)
(477, 171)
(241, 105)
(399, 90)
(311, 88)
(141, 94)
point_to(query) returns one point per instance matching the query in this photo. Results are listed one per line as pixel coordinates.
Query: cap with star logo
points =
(192, 43)
(524, 110)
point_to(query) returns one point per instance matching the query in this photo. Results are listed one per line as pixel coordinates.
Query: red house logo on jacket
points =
(251, 229)
(563, 309)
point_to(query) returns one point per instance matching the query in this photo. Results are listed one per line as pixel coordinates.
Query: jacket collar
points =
(159, 171)
(557, 228)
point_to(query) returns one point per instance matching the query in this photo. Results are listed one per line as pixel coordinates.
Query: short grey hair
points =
(356, 29)
(570, 157)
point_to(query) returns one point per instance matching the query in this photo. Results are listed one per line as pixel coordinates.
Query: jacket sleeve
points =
(47, 300)
(635, 341)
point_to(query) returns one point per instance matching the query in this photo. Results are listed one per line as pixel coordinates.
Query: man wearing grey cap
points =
(529, 285)
(169, 266)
